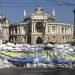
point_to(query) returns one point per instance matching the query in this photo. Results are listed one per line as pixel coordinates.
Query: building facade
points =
(4, 29)
(39, 27)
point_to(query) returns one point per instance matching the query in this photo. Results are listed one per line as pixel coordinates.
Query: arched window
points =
(39, 27)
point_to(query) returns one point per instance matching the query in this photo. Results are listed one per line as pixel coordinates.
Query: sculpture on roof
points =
(25, 13)
(53, 13)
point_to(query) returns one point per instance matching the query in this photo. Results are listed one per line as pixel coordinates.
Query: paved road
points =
(24, 71)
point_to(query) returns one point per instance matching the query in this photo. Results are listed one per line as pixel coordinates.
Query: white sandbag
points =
(6, 61)
(7, 48)
(49, 45)
(70, 49)
(60, 46)
(17, 48)
(18, 45)
(73, 47)
(28, 65)
(40, 64)
(26, 45)
(32, 48)
(1, 46)
(67, 45)
(34, 65)
(10, 44)
(36, 60)
(35, 45)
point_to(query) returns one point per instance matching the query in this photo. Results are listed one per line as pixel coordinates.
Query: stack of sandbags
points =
(26, 45)
(10, 44)
(2, 46)
(49, 45)
(71, 49)
(7, 48)
(5, 64)
(67, 45)
(18, 45)
(60, 46)
(17, 49)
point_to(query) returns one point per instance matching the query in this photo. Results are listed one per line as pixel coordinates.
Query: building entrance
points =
(39, 40)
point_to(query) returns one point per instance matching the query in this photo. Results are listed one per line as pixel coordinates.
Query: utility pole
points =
(74, 26)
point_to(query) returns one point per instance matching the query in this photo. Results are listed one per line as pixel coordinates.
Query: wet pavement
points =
(36, 71)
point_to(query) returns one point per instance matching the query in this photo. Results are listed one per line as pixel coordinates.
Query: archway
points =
(39, 26)
(39, 40)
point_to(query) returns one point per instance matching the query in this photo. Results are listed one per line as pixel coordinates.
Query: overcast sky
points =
(13, 9)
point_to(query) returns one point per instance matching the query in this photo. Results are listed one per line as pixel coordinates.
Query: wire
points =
(64, 3)
(18, 4)
(23, 5)
(14, 2)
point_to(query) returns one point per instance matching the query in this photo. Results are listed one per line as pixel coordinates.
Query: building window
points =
(48, 38)
(62, 30)
(48, 28)
(53, 37)
(66, 38)
(63, 38)
(53, 28)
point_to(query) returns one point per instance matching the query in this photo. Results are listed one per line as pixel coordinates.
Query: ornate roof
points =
(39, 12)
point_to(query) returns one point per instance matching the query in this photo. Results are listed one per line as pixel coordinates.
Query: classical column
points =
(72, 30)
(32, 27)
(64, 30)
(60, 28)
(57, 30)
(46, 29)
(11, 31)
(18, 30)
(13, 39)
(26, 39)
(51, 30)
(14, 30)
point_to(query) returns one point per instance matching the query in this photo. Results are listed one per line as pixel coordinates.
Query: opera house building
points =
(36, 28)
